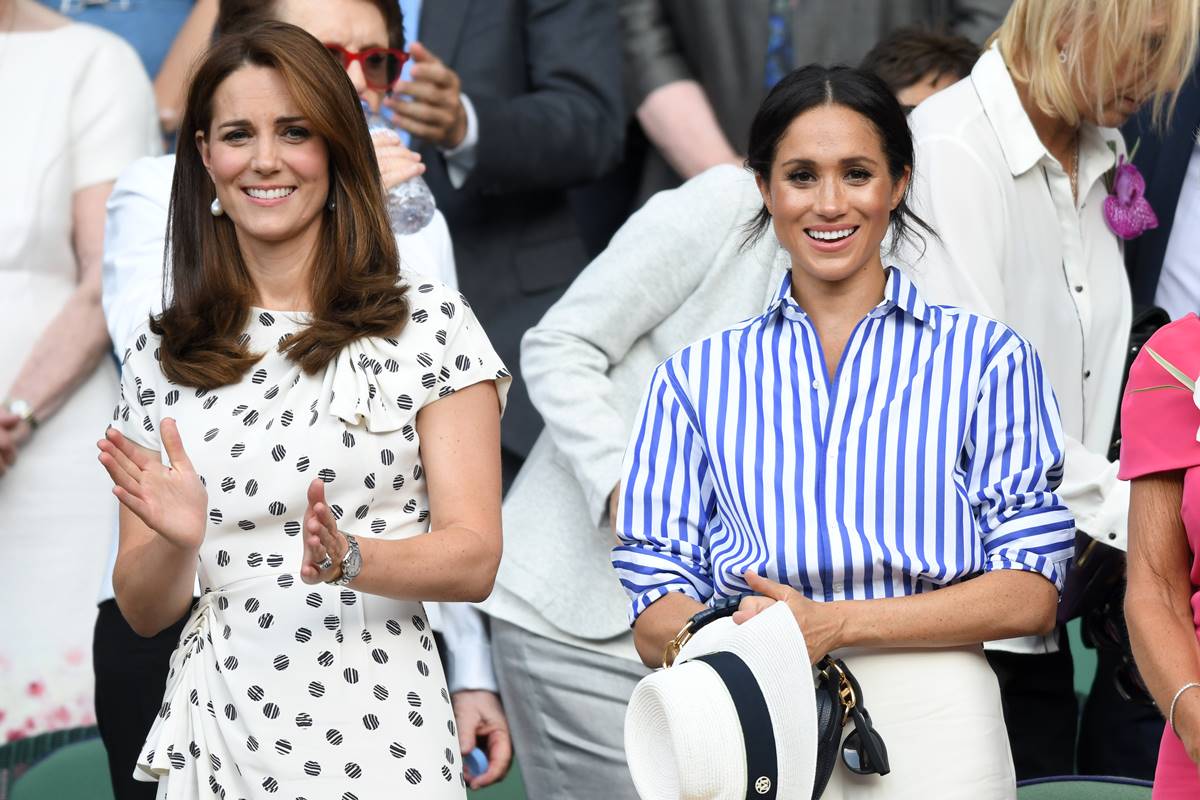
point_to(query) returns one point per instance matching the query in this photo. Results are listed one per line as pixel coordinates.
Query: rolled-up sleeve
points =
(666, 503)
(1014, 465)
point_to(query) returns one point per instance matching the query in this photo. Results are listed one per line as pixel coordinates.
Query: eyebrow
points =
(245, 123)
(845, 162)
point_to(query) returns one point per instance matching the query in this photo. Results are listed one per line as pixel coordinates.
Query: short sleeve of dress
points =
(140, 406)
(113, 119)
(1160, 419)
(379, 382)
(467, 356)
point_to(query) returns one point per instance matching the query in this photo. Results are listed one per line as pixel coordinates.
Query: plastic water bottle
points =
(410, 204)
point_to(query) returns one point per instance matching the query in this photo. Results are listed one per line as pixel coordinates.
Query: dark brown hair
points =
(909, 55)
(863, 92)
(355, 272)
(239, 16)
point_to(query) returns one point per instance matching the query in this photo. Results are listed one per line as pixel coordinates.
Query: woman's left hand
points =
(321, 539)
(821, 623)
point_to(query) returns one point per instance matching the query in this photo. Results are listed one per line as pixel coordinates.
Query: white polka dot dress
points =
(278, 688)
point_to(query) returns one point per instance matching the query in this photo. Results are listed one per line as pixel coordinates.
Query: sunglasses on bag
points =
(863, 751)
(380, 65)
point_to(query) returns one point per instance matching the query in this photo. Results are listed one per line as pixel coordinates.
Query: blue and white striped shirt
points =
(931, 456)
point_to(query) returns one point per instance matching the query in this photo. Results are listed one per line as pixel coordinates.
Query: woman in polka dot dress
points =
(316, 436)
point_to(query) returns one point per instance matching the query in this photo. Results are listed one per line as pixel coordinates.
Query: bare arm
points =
(1158, 600)
(457, 560)
(659, 623)
(170, 85)
(75, 339)
(680, 122)
(997, 605)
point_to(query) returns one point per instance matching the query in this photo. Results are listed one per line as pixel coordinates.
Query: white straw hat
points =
(741, 724)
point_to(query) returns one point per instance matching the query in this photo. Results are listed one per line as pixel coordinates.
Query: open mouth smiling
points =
(834, 235)
(272, 193)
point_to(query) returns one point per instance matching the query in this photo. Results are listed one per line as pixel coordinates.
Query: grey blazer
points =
(722, 45)
(674, 273)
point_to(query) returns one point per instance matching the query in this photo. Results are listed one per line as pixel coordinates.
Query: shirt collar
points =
(1023, 150)
(899, 292)
(998, 96)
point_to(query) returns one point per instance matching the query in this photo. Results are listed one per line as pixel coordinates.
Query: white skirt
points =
(939, 713)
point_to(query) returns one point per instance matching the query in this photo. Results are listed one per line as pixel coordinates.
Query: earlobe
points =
(900, 187)
(202, 147)
(765, 191)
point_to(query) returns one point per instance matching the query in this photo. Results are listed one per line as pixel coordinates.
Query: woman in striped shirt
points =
(852, 450)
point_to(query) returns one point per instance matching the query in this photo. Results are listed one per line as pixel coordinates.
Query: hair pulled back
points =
(860, 91)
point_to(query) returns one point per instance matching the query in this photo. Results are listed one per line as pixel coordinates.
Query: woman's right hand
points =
(397, 163)
(172, 501)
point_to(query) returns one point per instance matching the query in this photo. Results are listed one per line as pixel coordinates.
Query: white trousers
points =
(939, 713)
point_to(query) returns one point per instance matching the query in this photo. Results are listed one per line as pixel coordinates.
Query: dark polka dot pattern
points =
(307, 683)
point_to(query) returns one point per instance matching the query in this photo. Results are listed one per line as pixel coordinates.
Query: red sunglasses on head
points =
(380, 65)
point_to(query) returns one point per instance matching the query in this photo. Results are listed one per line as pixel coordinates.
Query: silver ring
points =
(325, 563)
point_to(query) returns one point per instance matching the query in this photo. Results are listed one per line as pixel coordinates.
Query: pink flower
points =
(1126, 210)
(36, 689)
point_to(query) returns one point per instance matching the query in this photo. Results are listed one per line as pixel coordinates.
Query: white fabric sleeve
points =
(460, 160)
(113, 119)
(469, 651)
(134, 239)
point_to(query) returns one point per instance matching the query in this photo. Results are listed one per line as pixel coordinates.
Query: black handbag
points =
(839, 700)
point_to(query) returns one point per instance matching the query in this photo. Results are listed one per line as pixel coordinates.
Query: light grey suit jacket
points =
(674, 273)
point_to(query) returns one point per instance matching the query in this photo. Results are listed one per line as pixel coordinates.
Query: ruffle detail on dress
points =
(358, 382)
(186, 729)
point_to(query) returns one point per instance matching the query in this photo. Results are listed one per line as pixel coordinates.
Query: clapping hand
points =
(324, 544)
(171, 500)
(821, 623)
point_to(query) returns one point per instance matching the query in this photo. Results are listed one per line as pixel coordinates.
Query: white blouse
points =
(1015, 246)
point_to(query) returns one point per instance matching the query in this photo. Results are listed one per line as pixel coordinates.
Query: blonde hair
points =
(1108, 36)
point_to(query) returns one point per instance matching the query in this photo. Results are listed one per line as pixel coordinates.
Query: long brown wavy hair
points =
(355, 288)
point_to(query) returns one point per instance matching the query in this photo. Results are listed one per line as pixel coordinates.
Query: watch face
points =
(352, 564)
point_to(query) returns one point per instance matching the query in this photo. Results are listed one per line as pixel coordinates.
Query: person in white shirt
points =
(132, 279)
(1010, 170)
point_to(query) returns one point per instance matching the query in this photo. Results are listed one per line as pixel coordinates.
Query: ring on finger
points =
(325, 563)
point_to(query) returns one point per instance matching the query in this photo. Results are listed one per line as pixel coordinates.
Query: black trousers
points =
(1116, 737)
(131, 676)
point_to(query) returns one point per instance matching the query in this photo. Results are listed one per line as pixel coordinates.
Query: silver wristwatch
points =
(351, 562)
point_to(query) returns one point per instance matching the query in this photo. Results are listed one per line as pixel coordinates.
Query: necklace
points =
(1075, 169)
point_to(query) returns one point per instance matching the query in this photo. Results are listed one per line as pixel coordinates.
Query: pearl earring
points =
(1062, 56)
(215, 209)
(332, 204)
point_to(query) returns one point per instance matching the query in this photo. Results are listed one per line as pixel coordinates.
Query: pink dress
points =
(1159, 428)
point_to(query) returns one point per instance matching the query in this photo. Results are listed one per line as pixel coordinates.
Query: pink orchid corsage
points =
(1126, 209)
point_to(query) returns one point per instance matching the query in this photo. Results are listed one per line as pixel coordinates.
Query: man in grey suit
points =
(513, 102)
(695, 70)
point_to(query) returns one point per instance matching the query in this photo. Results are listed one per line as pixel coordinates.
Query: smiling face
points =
(271, 173)
(353, 24)
(830, 195)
